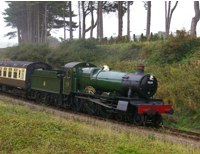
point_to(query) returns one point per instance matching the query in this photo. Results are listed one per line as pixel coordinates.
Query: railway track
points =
(182, 133)
(85, 117)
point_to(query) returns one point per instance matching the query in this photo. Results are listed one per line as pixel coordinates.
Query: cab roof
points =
(78, 64)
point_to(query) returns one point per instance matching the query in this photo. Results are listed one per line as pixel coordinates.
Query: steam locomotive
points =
(84, 87)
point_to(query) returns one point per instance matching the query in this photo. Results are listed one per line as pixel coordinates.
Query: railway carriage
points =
(17, 74)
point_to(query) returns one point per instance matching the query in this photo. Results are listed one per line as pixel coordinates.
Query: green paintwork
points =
(67, 82)
(106, 81)
(45, 81)
(78, 77)
(72, 81)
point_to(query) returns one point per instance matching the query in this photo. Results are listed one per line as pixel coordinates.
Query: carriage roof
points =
(24, 64)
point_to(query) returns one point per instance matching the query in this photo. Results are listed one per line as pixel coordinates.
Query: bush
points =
(175, 49)
(77, 50)
(80, 50)
(130, 52)
(179, 46)
(179, 84)
(29, 52)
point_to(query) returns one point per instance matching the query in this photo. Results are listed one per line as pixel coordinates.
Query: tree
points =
(120, 18)
(195, 19)
(70, 21)
(61, 9)
(85, 12)
(168, 15)
(121, 8)
(34, 20)
(121, 11)
(103, 6)
(79, 18)
(64, 22)
(147, 6)
(92, 8)
(45, 23)
(87, 8)
(100, 21)
(128, 19)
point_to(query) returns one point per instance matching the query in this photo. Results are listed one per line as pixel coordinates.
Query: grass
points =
(179, 85)
(23, 130)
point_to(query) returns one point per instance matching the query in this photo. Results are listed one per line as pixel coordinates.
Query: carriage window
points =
(0, 70)
(15, 73)
(23, 74)
(19, 74)
(9, 72)
(5, 71)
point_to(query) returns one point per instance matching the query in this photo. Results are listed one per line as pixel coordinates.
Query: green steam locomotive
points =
(83, 87)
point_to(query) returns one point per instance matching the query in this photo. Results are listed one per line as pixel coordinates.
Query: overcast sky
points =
(181, 19)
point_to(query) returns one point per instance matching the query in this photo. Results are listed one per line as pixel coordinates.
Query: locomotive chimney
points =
(140, 69)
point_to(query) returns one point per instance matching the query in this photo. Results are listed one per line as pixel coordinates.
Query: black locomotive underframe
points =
(97, 105)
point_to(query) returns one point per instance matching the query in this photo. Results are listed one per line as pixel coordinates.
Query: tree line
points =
(34, 20)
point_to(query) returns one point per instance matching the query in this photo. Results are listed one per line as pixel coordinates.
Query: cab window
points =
(68, 73)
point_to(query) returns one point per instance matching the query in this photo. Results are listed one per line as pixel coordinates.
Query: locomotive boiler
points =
(131, 85)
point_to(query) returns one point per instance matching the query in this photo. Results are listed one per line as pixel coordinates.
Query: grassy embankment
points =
(175, 62)
(23, 130)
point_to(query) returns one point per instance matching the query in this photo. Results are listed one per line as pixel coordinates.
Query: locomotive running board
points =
(94, 101)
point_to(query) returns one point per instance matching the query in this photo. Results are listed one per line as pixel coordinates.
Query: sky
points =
(181, 19)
